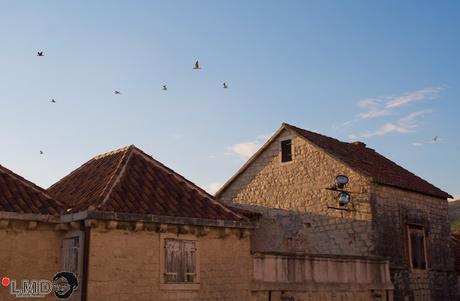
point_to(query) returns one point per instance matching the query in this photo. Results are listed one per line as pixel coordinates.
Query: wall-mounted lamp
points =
(344, 198)
(341, 181)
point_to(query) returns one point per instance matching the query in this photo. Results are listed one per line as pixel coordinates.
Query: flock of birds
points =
(116, 92)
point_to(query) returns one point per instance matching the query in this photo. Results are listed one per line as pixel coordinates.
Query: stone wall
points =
(319, 277)
(392, 210)
(125, 265)
(300, 186)
(28, 253)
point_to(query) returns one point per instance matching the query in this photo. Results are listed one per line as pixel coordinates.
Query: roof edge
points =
(250, 160)
(45, 218)
(151, 218)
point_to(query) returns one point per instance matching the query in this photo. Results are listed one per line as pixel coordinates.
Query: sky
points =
(382, 72)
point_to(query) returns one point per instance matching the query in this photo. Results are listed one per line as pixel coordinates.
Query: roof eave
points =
(250, 160)
(151, 218)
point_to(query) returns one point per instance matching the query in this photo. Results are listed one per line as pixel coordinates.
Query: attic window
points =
(286, 150)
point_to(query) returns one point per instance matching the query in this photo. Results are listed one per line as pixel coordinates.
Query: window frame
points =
(282, 145)
(195, 285)
(419, 228)
(76, 234)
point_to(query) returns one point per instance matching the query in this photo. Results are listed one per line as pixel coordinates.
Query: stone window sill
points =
(180, 286)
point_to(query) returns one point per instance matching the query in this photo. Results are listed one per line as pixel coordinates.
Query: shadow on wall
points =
(290, 231)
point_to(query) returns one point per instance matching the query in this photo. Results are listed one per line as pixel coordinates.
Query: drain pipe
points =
(84, 287)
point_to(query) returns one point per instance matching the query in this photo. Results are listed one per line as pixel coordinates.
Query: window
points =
(70, 248)
(417, 247)
(180, 261)
(72, 257)
(286, 150)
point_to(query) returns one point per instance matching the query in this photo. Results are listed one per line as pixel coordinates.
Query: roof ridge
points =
(187, 182)
(28, 183)
(88, 162)
(117, 173)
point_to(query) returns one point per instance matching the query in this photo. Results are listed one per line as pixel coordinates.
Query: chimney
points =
(359, 143)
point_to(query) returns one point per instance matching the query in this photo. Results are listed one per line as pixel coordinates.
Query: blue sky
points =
(386, 73)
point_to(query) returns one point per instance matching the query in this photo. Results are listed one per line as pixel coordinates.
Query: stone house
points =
(132, 229)
(382, 212)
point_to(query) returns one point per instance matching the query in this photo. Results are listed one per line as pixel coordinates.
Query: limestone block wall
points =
(393, 209)
(125, 265)
(299, 186)
(28, 253)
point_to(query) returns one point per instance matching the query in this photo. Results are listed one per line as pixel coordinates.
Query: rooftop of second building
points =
(22, 196)
(369, 162)
(129, 181)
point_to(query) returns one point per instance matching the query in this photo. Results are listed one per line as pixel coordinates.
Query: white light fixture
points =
(341, 181)
(344, 198)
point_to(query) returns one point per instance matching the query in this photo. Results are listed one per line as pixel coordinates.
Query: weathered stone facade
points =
(300, 214)
(392, 210)
(300, 186)
(125, 265)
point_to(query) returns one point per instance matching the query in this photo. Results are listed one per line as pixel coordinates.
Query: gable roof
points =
(129, 181)
(22, 196)
(361, 159)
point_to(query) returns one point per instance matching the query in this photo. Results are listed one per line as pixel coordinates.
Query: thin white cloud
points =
(373, 107)
(405, 125)
(213, 187)
(407, 98)
(417, 144)
(385, 105)
(243, 150)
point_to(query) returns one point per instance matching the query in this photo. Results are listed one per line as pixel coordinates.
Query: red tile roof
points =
(22, 196)
(129, 181)
(371, 163)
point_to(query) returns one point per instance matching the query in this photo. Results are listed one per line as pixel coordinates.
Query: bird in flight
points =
(197, 66)
(53, 101)
(435, 138)
(41, 152)
(40, 53)
(225, 86)
(117, 92)
(165, 88)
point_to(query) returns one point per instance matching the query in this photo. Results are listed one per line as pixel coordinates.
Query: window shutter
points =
(189, 260)
(70, 253)
(173, 261)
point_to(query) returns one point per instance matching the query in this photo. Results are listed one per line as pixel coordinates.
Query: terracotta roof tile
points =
(22, 196)
(371, 163)
(129, 181)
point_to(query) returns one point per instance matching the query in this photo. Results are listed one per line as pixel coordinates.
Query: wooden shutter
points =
(180, 261)
(70, 248)
(173, 261)
(417, 247)
(189, 260)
